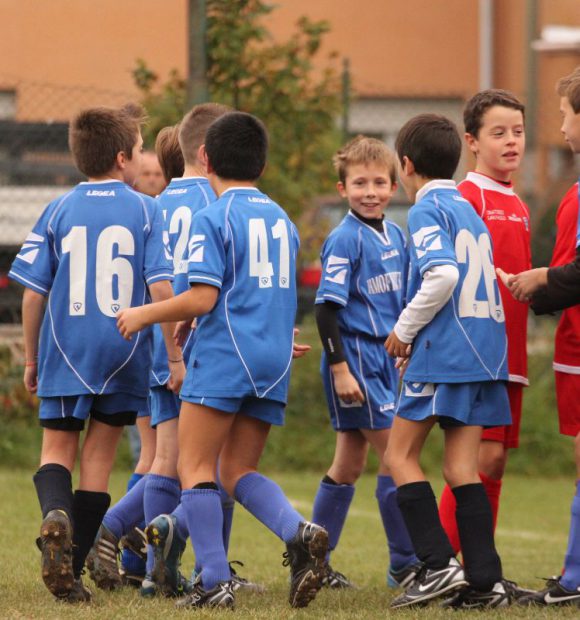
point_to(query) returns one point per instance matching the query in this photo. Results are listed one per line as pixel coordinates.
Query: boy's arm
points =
(198, 300)
(32, 313)
(562, 289)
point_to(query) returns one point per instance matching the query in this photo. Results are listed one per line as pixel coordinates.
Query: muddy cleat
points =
(335, 580)
(501, 595)
(306, 556)
(403, 578)
(553, 594)
(102, 560)
(131, 580)
(240, 583)
(431, 583)
(222, 595)
(148, 587)
(78, 594)
(55, 543)
(136, 542)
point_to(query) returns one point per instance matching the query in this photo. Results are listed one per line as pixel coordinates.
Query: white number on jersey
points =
(180, 223)
(260, 265)
(111, 295)
(477, 255)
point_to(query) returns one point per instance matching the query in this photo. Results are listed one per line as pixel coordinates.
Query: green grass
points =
(531, 539)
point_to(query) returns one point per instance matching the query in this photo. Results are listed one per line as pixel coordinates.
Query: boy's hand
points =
(345, 385)
(299, 350)
(396, 347)
(182, 331)
(523, 285)
(31, 377)
(129, 322)
(176, 375)
(401, 363)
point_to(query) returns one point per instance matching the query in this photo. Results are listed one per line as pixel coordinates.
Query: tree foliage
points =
(274, 80)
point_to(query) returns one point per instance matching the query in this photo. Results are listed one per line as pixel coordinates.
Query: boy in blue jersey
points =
(242, 268)
(94, 251)
(455, 374)
(360, 297)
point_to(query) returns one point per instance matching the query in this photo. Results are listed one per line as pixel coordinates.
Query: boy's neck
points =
(220, 185)
(112, 175)
(496, 175)
(194, 170)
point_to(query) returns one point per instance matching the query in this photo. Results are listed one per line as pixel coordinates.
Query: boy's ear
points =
(408, 166)
(341, 189)
(471, 142)
(203, 158)
(121, 160)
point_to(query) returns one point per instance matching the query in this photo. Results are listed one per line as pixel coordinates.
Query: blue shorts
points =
(378, 379)
(264, 409)
(82, 406)
(165, 405)
(483, 403)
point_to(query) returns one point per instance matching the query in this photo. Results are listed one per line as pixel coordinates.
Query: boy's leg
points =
(571, 576)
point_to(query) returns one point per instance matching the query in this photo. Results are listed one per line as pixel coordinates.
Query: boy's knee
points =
(458, 474)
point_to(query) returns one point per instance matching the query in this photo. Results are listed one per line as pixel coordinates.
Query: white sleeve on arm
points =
(435, 290)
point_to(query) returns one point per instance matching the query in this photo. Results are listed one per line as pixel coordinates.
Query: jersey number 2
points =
(260, 265)
(111, 296)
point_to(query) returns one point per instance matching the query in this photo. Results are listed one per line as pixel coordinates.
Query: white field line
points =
(500, 531)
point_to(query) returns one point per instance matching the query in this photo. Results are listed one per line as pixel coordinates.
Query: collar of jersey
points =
(484, 182)
(187, 180)
(107, 182)
(240, 189)
(434, 185)
(385, 240)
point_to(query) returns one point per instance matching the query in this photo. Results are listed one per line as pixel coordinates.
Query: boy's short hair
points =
(569, 86)
(480, 103)
(432, 143)
(194, 126)
(97, 135)
(169, 152)
(364, 150)
(236, 146)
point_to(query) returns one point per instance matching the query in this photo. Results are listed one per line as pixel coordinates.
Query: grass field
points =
(531, 538)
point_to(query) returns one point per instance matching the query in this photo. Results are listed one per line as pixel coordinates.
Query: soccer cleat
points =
(78, 594)
(431, 583)
(168, 548)
(132, 580)
(222, 595)
(148, 587)
(240, 583)
(404, 577)
(102, 560)
(306, 556)
(553, 594)
(335, 580)
(501, 595)
(136, 542)
(55, 543)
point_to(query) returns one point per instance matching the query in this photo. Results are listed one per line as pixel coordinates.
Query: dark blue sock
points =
(128, 511)
(228, 504)
(203, 511)
(331, 506)
(130, 562)
(266, 501)
(400, 545)
(161, 497)
(571, 577)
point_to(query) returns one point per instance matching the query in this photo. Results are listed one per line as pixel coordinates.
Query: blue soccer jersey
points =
(178, 203)
(466, 339)
(365, 271)
(93, 252)
(245, 245)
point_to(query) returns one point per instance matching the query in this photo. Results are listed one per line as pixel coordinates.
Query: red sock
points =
(492, 490)
(447, 516)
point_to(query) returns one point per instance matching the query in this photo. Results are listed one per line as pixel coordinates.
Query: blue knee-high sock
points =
(181, 525)
(571, 577)
(161, 497)
(204, 516)
(131, 562)
(228, 504)
(266, 501)
(128, 511)
(400, 546)
(331, 506)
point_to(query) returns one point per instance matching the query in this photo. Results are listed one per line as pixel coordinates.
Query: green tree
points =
(277, 82)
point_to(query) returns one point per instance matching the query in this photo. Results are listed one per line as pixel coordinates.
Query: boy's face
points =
(500, 144)
(570, 124)
(368, 189)
(132, 166)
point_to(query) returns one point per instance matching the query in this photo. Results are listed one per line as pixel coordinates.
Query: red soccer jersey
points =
(508, 221)
(567, 353)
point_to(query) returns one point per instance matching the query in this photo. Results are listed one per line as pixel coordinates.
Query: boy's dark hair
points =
(194, 125)
(569, 86)
(97, 135)
(432, 143)
(364, 150)
(480, 103)
(169, 152)
(236, 146)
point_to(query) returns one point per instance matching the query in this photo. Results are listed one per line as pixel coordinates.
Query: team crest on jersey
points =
(427, 239)
(336, 270)
(196, 248)
(418, 390)
(29, 250)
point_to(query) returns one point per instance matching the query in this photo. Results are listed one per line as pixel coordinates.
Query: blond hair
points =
(364, 150)
(194, 126)
(169, 152)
